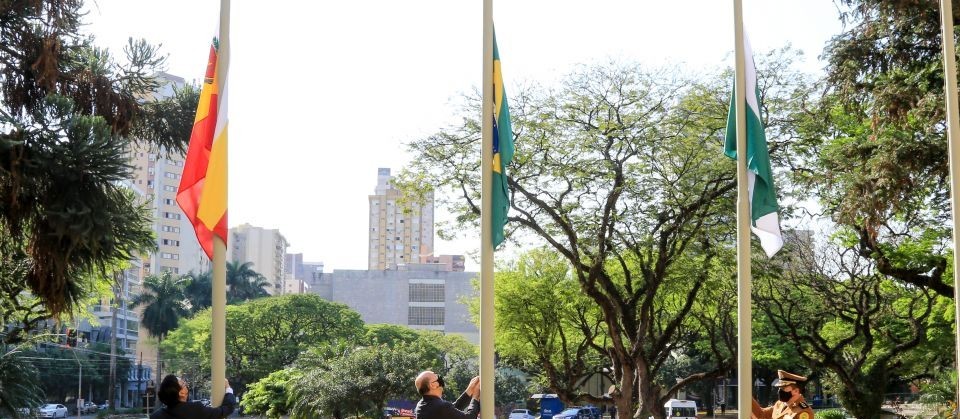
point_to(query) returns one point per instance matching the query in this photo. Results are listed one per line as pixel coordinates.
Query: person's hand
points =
(473, 389)
(226, 383)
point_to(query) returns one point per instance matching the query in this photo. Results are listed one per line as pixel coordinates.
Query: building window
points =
(426, 293)
(169, 242)
(171, 215)
(171, 256)
(171, 175)
(425, 316)
(169, 188)
(168, 201)
(171, 229)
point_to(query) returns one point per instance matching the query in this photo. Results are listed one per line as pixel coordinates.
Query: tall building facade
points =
(399, 232)
(156, 174)
(265, 248)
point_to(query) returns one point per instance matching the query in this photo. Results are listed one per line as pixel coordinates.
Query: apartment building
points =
(265, 248)
(400, 231)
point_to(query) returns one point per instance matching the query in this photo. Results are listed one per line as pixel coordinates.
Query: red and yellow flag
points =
(203, 187)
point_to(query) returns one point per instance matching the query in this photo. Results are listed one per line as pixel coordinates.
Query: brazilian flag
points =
(502, 150)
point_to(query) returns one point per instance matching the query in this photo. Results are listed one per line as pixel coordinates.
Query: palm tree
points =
(199, 290)
(245, 283)
(164, 304)
(19, 386)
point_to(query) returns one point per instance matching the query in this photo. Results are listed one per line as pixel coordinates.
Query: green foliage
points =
(363, 379)
(270, 396)
(873, 149)
(19, 383)
(858, 327)
(829, 414)
(68, 110)
(620, 172)
(198, 290)
(163, 305)
(244, 283)
(264, 335)
(57, 369)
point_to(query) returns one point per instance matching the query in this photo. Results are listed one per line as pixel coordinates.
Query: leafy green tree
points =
(163, 305)
(244, 283)
(874, 150)
(264, 335)
(620, 171)
(270, 396)
(362, 380)
(19, 383)
(70, 111)
(545, 324)
(199, 290)
(848, 319)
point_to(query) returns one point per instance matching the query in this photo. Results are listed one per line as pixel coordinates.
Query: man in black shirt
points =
(173, 393)
(432, 405)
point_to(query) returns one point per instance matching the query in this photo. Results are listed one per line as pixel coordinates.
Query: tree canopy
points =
(620, 171)
(264, 335)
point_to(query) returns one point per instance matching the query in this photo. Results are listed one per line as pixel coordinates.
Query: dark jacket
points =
(431, 407)
(192, 410)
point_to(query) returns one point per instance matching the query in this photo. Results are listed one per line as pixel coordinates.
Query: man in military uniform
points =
(790, 403)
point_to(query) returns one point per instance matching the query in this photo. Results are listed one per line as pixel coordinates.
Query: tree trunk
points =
(624, 400)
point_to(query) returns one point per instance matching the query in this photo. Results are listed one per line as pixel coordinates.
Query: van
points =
(680, 409)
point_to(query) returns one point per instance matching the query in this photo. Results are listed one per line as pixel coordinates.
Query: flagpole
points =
(218, 333)
(486, 229)
(744, 311)
(953, 131)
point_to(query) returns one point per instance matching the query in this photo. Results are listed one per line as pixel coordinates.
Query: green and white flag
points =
(763, 196)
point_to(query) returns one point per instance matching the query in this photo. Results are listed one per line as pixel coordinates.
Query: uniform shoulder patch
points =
(803, 405)
(804, 415)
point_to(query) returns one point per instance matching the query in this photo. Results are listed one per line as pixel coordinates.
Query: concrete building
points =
(265, 248)
(400, 232)
(299, 275)
(421, 296)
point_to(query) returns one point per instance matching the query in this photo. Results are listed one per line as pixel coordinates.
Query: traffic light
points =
(72, 337)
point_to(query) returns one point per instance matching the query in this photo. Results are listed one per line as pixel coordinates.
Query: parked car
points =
(521, 414)
(593, 411)
(51, 410)
(574, 413)
(88, 407)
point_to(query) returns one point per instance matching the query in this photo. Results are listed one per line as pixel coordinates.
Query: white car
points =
(51, 410)
(520, 414)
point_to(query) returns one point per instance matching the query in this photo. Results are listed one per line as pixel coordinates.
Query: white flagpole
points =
(218, 334)
(486, 233)
(950, 92)
(744, 311)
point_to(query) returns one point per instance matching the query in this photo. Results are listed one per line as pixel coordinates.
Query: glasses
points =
(439, 381)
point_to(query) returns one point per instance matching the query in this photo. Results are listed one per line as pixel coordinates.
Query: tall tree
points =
(162, 300)
(68, 113)
(245, 283)
(199, 290)
(164, 305)
(846, 318)
(620, 171)
(875, 149)
(264, 335)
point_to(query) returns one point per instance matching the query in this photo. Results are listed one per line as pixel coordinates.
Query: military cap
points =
(785, 379)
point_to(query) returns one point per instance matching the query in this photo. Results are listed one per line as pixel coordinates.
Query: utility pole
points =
(140, 379)
(118, 277)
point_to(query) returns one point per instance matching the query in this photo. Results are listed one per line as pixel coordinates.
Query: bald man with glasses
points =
(432, 406)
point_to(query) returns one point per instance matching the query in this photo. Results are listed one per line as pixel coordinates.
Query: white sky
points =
(322, 93)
